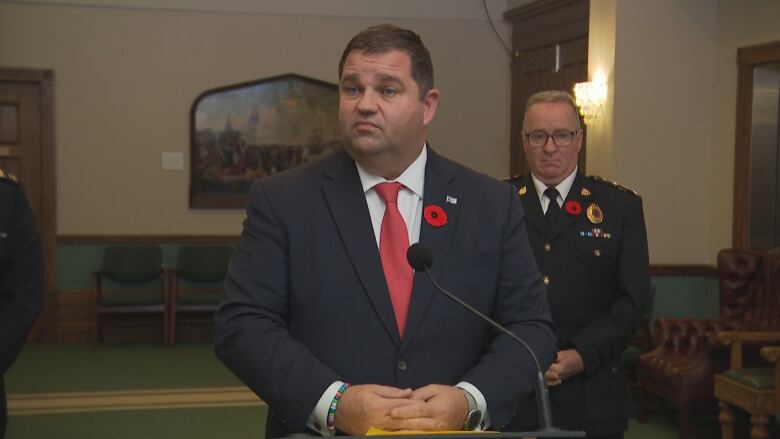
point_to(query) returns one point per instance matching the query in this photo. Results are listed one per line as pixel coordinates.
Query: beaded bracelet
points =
(333, 405)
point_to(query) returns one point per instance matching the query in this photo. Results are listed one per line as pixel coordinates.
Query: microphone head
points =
(419, 257)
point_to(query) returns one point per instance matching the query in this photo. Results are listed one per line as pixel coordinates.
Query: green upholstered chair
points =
(752, 389)
(131, 281)
(203, 269)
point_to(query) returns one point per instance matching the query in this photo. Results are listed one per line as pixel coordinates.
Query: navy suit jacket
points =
(307, 304)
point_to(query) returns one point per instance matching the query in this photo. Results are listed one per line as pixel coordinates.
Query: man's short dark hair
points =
(387, 37)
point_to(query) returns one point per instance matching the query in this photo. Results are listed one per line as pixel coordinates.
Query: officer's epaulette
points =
(512, 178)
(612, 183)
(7, 177)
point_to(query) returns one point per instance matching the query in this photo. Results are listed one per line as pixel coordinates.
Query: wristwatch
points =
(474, 415)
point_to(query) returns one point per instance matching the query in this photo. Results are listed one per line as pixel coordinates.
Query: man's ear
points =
(431, 103)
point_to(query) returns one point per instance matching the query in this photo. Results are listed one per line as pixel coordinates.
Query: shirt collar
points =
(413, 177)
(563, 187)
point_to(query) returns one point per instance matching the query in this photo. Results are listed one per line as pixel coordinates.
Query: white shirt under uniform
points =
(563, 189)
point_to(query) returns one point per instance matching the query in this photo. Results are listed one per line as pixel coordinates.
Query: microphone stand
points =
(540, 386)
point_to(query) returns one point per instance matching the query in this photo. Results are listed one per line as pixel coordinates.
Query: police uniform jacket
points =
(21, 276)
(594, 262)
(21, 270)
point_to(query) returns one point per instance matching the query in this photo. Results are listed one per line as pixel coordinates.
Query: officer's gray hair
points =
(553, 96)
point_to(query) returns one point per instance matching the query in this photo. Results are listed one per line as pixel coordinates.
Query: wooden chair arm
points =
(728, 337)
(771, 354)
(736, 338)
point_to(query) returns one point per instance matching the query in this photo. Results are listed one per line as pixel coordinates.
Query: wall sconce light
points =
(591, 98)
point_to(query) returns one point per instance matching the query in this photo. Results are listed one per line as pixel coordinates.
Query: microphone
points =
(421, 259)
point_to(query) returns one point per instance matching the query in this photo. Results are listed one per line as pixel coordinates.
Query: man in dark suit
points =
(319, 294)
(588, 236)
(21, 276)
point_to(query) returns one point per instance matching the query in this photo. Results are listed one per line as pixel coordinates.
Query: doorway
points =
(757, 148)
(549, 52)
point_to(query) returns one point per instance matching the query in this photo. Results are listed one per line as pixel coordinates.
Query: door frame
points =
(747, 59)
(47, 222)
(563, 21)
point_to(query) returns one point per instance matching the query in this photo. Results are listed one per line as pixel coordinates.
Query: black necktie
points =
(553, 210)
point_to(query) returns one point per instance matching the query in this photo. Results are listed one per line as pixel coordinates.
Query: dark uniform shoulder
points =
(9, 187)
(612, 184)
(513, 179)
(7, 177)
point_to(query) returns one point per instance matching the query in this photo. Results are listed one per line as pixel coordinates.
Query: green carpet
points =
(77, 368)
(220, 422)
(656, 427)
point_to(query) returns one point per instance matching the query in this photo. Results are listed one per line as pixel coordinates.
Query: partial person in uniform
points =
(21, 277)
(588, 237)
(324, 318)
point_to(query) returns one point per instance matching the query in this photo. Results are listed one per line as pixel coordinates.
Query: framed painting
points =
(244, 132)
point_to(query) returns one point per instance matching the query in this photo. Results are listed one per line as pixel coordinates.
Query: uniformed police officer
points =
(21, 276)
(588, 236)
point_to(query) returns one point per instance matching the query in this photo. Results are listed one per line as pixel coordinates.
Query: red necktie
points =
(393, 243)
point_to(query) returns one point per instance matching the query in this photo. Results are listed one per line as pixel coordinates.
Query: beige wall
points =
(739, 24)
(664, 55)
(126, 78)
(669, 133)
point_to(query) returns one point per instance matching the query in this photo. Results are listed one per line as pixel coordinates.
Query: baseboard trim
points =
(156, 399)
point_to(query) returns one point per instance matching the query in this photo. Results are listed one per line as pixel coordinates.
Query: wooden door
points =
(550, 52)
(27, 151)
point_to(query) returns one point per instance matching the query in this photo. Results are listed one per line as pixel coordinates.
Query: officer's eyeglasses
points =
(560, 137)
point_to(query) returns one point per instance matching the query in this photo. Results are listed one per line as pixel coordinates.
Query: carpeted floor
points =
(123, 391)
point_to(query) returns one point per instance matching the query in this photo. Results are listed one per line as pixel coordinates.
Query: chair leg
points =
(759, 430)
(95, 330)
(726, 419)
(172, 328)
(166, 329)
(642, 415)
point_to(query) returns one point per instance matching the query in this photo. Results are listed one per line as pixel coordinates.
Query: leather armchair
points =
(688, 354)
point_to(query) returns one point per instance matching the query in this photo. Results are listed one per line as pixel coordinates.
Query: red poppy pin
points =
(435, 215)
(573, 207)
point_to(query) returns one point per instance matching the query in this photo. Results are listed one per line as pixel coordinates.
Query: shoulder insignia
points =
(585, 192)
(612, 183)
(512, 178)
(523, 189)
(6, 176)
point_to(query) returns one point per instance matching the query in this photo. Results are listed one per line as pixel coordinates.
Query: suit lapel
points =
(566, 219)
(439, 191)
(533, 208)
(344, 194)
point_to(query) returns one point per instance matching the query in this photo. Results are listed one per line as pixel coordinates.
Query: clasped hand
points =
(567, 363)
(433, 407)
